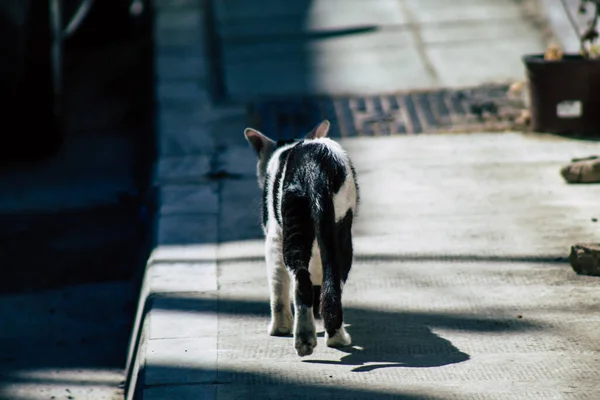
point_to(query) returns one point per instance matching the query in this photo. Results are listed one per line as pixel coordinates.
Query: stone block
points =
(191, 253)
(585, 258)
(184, 316)
(174, 277)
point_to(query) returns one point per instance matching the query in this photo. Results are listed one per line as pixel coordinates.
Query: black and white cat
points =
(310, 196)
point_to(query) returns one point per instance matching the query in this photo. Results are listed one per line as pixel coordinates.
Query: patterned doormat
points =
(480, 109)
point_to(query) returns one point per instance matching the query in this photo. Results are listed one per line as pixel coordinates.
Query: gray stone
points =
(189, 199)
(585, 258)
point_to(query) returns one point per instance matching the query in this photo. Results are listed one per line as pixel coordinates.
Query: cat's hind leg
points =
(305, 333)
(279, 286)
(338, 337)
(298, 238)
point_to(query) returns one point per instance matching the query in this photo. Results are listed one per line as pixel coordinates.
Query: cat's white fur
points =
(345, 199)
(277, 274)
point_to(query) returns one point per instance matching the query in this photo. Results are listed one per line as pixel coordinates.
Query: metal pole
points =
(56, 54)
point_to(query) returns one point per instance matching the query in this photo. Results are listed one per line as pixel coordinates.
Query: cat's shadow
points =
(382, 340)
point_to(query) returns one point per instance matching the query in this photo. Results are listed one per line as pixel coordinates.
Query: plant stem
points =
(573, 23)
(596, 12)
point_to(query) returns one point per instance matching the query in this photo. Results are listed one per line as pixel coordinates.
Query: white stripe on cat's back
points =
(345, 198)
(274, 165)
(275, 161)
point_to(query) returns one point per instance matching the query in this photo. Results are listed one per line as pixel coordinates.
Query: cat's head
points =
(265, 147)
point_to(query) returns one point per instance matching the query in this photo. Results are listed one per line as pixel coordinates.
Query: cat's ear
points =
(319, 131)
(260, 143)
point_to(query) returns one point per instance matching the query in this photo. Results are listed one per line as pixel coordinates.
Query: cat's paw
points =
(281, 326)
(340, 339)
(305, 342)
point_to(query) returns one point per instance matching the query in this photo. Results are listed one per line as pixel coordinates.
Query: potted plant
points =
(564, 89)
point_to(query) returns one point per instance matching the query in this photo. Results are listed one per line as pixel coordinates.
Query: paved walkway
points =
(460, 289)
(354, 46)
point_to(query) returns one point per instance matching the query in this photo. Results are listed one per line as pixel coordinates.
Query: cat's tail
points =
(331, 290)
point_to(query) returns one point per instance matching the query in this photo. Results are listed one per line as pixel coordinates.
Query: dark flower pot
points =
(564, 95)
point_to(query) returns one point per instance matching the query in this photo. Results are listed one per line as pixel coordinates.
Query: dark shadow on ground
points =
(381, 339)
(77, 326)
(244, 385)
(75, 217)
(71, 254)
(387, 340)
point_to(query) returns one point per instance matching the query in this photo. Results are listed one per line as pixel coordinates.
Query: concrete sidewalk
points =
(460, 288)
(353, 46)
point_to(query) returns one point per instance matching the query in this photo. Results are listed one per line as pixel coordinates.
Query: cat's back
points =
(320, 164)
(324, 152)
